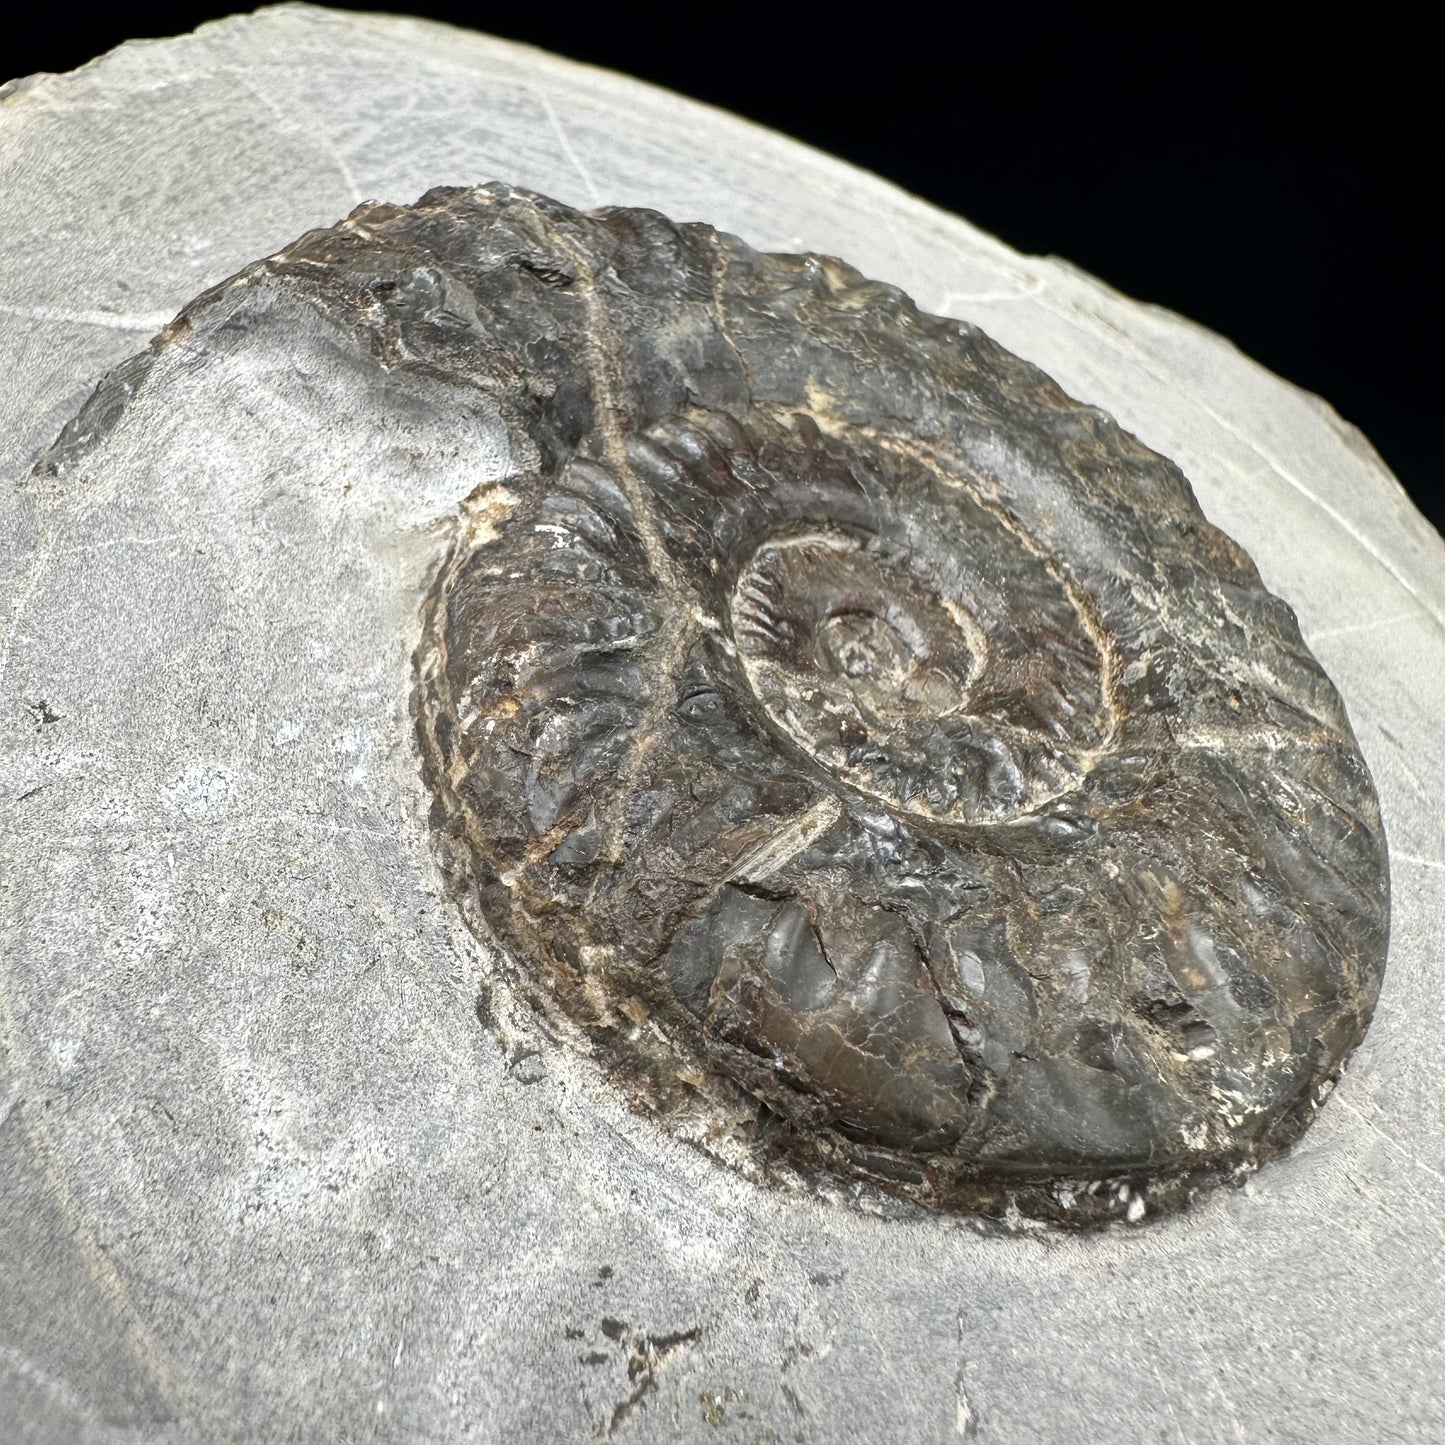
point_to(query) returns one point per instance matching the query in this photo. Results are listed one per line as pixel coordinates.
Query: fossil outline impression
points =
(870, 752)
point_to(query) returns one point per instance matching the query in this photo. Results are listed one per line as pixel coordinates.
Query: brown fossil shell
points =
(874, 751)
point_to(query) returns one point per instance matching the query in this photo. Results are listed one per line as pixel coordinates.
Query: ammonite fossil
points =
(868, 751)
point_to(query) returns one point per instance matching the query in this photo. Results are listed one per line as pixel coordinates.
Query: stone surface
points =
(276, 1159)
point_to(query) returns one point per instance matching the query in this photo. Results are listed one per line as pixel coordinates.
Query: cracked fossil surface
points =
(869, 752)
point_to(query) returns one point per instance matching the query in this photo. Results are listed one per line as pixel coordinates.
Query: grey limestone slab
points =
(265, 1174)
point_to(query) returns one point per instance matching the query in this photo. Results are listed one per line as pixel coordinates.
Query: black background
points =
(1266, 171)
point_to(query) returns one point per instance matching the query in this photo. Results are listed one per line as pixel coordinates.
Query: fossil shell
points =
(844, 721)
(869, 751)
